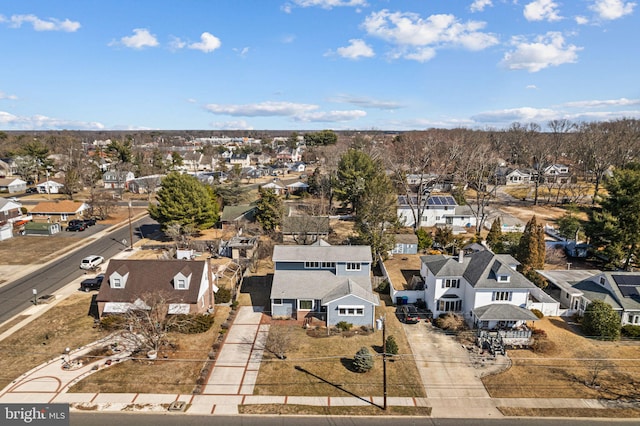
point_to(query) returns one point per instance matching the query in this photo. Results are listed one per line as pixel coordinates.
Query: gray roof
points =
(566, 278)
(626, 287)
(594, 291)
(480, 269)
(321, 254)
(350, 287)
(318, 285)
(503, 312)
(406, 238)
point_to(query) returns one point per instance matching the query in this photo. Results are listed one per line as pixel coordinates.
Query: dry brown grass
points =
(322, 366)
(563, 370)
(571, 412)
(67, 324)
(311, 410)
(175, 374)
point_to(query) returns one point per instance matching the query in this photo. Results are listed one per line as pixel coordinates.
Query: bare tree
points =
(280, 341)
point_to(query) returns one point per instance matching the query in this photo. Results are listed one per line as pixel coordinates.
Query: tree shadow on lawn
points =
(567, 324)
(348, 363)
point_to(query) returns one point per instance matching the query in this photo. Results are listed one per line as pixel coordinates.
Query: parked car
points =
(92, 283)
(91, 262)
(89, 222)
(31, 190)
(76, 227)
(408, 314)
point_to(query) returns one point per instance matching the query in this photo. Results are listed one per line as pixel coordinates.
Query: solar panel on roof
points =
(633, 280)
(629, 291)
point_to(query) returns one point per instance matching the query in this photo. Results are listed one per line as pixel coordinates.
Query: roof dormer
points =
(118, 279)
(182, 279)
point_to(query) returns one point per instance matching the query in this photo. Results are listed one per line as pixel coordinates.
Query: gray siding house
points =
(332, 283)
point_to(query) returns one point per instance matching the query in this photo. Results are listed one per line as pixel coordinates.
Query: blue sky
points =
(315, 64)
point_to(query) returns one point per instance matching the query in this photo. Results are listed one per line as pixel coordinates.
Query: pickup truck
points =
(92, 283)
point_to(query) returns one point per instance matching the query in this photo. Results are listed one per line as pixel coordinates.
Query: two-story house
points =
(332, 283)
(113, 179)
(485, 288)
(184, 284)
(437, 210)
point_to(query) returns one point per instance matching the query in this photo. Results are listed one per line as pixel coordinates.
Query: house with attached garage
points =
(330, 283)
(184, 284)
(437, 210)
(575, 289)
(12, 185)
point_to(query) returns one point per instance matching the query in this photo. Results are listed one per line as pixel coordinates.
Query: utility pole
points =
(384, 361)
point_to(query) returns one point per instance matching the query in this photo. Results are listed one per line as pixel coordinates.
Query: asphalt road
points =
(148, 419)
(18, 295)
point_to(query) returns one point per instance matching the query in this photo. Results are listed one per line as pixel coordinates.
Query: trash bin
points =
(405, 300)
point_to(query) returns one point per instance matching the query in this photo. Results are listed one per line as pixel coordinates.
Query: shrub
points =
(363, 360)
(383, 287)
(537, 313)
(112, 322)
(449, 321)
(542, 344)
(632, 331)
(600, 320)
(344, 326)
(391, 346)
(192, 323)
(223, 295)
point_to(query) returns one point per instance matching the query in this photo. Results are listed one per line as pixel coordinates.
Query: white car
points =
(91, 262)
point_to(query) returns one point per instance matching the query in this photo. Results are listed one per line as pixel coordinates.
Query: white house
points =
(519, 177)
(437, 210)
(49, 187)
(12, 185)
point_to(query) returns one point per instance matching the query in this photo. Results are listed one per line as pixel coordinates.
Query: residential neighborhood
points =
(285, 259)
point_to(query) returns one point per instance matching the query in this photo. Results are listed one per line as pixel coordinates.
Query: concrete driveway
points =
(453, 385)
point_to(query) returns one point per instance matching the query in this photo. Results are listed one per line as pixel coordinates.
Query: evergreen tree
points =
(425, 240)
(391, 346)
(494, 238)
(377, 212)
(531, 250)
(269, 210)
(185, 201)
(616, 228)
(600, 320)
(354, 170)
(363, 360)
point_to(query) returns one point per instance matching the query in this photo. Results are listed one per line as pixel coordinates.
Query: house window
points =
(451, 283)
(503, 278)
(501, 295)
(305, 305)
(181, 284)
(351, 311)
(117, 283)
(353, 266)
(277, 301)
(449, 220)
(602, 281)
(312, 265)
(450, 305)
(329, 265)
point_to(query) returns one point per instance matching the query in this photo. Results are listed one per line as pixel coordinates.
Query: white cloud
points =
(208, 43)
(357, 49)
(602, 103)
(140, 39)
(288, 38)
(7, 96)
(547, 50)
(418, 39)
(366, 102)
(232, 125)
(263, 109)
(241, 52)
(38, 24)
(324, 4)
(479, 5)
(523, 114)
(531, 87)
(41, 122)
(581, 20)
(612, 9)
(177, 43)
(330, 116)
(542, 10)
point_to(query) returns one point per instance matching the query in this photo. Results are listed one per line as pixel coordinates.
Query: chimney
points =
(461, 256)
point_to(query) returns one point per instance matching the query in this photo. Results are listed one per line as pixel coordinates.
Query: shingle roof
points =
(503, 312)
(318, 285)
(59, 207)
(322, 253)
(152, 276)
